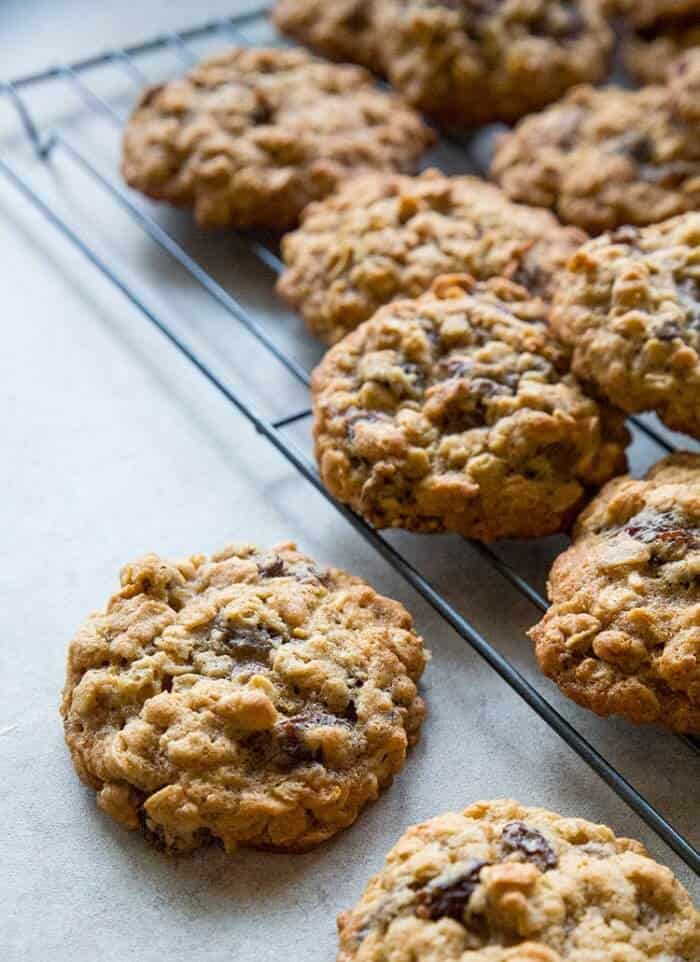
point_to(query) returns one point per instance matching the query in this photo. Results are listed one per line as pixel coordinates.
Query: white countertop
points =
(113, 445)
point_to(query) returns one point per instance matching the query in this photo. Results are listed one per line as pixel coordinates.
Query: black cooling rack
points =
(50, 142)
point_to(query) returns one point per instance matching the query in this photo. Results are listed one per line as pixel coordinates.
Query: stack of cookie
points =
(484, 354)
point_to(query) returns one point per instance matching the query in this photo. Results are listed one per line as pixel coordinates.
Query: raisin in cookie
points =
(453, 412)
(628, 304)
(477, 61)
(386, 236)
(249, 137)
(604, 158)
(622, 635)
(252, 698)
(500, 882)
(338, 29)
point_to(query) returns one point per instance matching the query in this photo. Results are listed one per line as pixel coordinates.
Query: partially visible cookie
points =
(628, 306)
(386, 236)
(454, 412)
(253, 698)
(471, 62)
(250, 136)
(622, 635)
(502, 882)
(338, 29)
(648, 13)
(648, 53)
(604, 158)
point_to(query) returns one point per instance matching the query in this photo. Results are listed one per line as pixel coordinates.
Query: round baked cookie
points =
(338, 29)
(622, 635)
(648, 53)
(250, 136)
(628, 305)
(385, 236)
(252, 698)
(604, 158)
(501, 882)
(473, 62)
(454, 412)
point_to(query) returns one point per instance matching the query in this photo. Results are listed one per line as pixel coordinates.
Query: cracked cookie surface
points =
(609, 157)
(628, 304)
(338, 29)
(501, 882)
(454, 412)
(622, 635)
(252, 698)
(477, 61)
(386, 236)
(249, 136)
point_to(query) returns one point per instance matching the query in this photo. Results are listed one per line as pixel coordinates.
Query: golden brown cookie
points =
(501, 882)
(604, 158)
(250, 136)
(386, 236)
(628, 305)
(251, 698)
(338, 29)
(454, 412)
(622, 635)
(474, 62)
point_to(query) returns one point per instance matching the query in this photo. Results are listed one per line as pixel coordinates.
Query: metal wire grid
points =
(47, 145)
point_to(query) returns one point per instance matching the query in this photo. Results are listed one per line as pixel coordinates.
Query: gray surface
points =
(112, 445)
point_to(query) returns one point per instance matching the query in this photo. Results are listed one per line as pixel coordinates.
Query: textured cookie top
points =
(386, 236)
(339, 29)
(603, 158)
(500, 882)
(253, 697)
(454, 412)
(250, 136)
(622, 635)
(474, 62)
(628, 303)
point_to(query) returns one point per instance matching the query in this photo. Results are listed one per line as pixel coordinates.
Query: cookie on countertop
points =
(250, 136)
(604, 158)
(622, 635)
(386, 236)
(628, 306)
(454, 412)
(252, 698)
(473, 62)
(502, 882)
(338, 29)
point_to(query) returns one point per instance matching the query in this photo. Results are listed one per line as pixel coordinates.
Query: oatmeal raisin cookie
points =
(502, 882)
(628, 305)
(477, 61)
(250, 136)
(604, 158)
(454, 412)
(386, 236)
(622, 635)
(252, 698)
